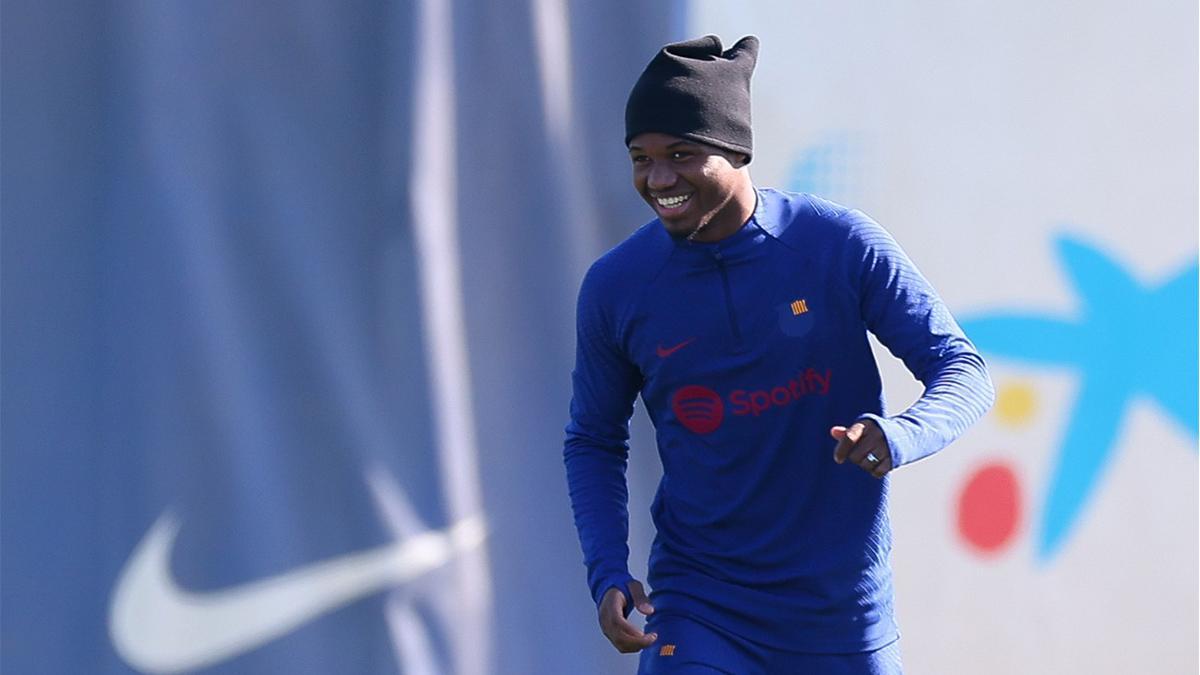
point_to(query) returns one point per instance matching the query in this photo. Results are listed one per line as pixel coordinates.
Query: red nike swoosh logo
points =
(664, 353)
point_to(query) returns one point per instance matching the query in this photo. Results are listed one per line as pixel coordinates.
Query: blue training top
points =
(745, 352)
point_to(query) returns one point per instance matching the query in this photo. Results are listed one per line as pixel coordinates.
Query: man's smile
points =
(671, 205)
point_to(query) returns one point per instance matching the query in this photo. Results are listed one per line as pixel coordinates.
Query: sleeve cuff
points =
(621, 583)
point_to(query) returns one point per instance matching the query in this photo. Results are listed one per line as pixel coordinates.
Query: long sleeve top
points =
(745, 352)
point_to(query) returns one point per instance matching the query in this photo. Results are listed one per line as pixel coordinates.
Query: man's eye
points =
(681, 155)
(640, 159)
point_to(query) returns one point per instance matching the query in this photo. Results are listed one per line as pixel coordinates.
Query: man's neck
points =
(731, 218)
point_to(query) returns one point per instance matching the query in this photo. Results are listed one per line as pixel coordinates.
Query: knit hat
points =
(695, 90)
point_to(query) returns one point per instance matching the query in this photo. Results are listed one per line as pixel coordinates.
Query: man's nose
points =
(661, 177)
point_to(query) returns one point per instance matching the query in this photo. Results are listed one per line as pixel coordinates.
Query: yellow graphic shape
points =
(799, 307)
(667, 650)
(1016, 403)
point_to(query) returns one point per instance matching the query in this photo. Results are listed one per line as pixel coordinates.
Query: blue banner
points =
(287, 312)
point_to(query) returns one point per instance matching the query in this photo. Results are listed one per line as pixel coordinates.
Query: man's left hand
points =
(864, 444)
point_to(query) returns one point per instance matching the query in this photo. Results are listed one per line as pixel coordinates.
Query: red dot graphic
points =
(989, 508)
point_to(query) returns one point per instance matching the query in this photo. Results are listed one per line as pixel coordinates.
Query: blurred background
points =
(288, 320)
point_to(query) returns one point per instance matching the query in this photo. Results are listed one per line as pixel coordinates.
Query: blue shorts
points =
(686, 646)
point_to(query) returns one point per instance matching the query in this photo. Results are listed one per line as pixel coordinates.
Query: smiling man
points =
(697, 189)
(740, 316)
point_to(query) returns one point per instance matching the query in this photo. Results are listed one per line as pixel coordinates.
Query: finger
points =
(636, 638)
(612, 603)
(838, 433)
(842, 450)
(866, 447)
(633, 646)
(627, 638)
(617, 629)
(849, 439)
(871, 456)
(640, 601)
(855, 431)
(883, 468)
(870, 440)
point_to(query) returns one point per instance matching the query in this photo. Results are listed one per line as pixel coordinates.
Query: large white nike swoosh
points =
(159, 627)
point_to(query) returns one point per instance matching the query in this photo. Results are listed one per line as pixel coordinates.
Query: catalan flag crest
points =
(799, 307)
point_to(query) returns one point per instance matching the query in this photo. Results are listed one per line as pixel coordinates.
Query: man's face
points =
(691, 186)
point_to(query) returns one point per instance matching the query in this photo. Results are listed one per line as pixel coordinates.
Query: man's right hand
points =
(624, 635)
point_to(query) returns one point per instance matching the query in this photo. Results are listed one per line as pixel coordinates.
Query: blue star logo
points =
(1128, 340)
(830, 167)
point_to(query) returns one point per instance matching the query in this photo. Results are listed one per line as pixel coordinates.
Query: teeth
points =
(672, 202)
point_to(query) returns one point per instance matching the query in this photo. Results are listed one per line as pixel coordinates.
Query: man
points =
(740, 316)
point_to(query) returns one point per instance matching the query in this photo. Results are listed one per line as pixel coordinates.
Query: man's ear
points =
(740, 160)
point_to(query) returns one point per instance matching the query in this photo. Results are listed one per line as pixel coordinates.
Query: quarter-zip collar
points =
(738, 246)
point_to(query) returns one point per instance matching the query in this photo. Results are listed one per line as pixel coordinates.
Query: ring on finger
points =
(872, 458)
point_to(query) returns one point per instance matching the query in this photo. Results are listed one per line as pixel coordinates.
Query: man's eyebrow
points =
(690, 144)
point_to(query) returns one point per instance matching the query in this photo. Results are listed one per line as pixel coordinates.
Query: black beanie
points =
(695, 90)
